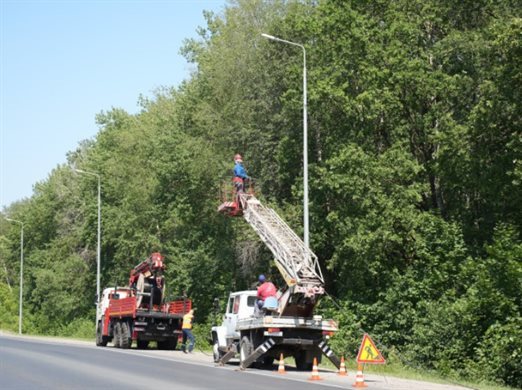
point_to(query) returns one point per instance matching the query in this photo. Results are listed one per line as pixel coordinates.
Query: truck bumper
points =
(275, 342)
(295, 342)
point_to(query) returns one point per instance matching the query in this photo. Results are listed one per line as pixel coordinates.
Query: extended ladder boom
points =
(298, 264)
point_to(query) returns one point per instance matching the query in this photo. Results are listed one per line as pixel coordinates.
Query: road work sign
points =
(368, 352)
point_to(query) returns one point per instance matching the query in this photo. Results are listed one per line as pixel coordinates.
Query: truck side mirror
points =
(216, 304)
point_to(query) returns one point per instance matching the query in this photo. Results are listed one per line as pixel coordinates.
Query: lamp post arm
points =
(282, 40)
(87, 173)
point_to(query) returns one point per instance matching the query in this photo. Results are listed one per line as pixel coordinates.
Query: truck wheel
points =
(168, 345)
(125, 340)
(116, 338)
(268, 362)
(101, 340)
(215, 351)
(142, 344)
(173, 343)
(245, 350)
(301, 363)
(304, 360)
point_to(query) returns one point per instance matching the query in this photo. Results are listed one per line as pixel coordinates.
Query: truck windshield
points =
(251, 301)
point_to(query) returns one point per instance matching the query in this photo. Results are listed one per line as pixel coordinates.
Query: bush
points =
(83, 328)
(8, 303)
(346, 341)
(202, 334)
(500, 352)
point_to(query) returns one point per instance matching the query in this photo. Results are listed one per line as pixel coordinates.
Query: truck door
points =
(104, 301)
(231, 316)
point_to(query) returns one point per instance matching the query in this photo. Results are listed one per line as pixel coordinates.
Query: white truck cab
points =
(111, 293)
(259, 337)
(240, 304)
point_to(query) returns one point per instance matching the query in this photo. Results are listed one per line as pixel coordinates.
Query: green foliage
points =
(202, 334)
(415, 169)
(8, 297)
(499, 353)
(454, 328)
(61, 292)
(83, 328)
(9, 312)
(348, 339)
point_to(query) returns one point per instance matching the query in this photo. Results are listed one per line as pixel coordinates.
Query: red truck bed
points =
(126, 307)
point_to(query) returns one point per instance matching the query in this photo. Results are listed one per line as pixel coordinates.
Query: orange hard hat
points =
(238, 157)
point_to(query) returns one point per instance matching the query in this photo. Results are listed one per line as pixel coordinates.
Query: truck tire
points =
(168, 345)
(126, 337)
(245, 350)
(267, 362)
(301, 364)
(116, 338)
(215, 350)
(304, 360)
(142, 344)
(101, 340)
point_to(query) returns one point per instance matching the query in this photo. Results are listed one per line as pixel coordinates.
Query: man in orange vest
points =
(186, 328)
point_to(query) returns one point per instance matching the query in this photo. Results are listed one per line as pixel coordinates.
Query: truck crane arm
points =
(297, 264)
(148, 280)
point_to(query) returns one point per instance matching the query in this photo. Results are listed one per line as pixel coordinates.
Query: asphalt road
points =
(34, 363)
(28, 364)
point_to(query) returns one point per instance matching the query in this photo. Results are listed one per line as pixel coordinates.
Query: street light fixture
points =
(20, 313)
(98, 251)
(305, 139)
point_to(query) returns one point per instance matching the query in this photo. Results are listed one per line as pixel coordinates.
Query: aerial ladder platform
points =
(299, 333)
(297, 264)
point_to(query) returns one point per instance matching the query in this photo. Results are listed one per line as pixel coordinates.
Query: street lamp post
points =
(305, 139)
(98, 251)
(20, 312)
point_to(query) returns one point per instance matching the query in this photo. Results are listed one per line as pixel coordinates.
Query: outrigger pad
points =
(257, 353)
(229, 355)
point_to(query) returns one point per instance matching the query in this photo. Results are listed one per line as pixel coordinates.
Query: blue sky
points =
(62, 62)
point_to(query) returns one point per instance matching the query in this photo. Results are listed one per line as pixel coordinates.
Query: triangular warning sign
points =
(368, 352)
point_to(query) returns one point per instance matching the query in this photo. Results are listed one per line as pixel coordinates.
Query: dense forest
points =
(415, 171)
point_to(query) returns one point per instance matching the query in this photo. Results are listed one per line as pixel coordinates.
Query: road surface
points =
(45, 363)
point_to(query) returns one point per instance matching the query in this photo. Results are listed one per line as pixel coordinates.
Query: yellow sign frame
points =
(368, 352)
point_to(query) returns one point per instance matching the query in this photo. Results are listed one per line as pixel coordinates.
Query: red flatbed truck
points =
(138, 312)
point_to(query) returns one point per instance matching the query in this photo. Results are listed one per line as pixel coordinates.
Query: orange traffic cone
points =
(342, 368)
(281, 369)
(359, 378)
(315, 372)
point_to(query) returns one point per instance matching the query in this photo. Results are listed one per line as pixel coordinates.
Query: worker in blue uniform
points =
(240, 174)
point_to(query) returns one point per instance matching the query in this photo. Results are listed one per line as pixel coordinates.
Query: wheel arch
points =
(219, 333)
